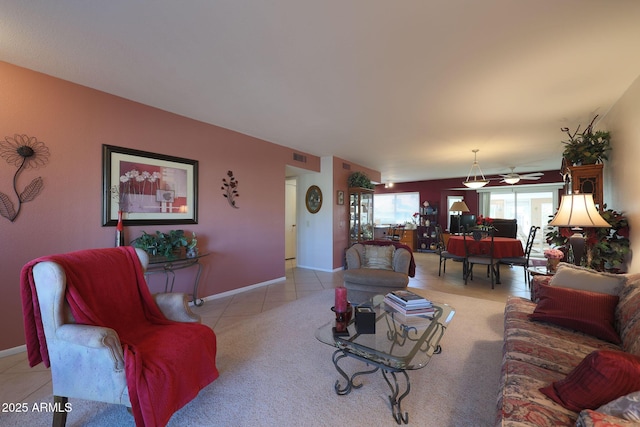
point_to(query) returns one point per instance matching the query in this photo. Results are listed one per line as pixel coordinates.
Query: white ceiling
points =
(406, 87)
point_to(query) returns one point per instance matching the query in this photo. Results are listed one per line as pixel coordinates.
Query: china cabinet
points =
(360, 214)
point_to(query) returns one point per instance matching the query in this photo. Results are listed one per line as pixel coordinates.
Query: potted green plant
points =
(161, 244)
(606, 248)
(587, 147)
(359, 179)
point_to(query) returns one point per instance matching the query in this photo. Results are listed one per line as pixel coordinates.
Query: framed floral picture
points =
(148, 188)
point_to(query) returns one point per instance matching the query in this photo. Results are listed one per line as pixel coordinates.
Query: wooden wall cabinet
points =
(587, 179)
(409, 238)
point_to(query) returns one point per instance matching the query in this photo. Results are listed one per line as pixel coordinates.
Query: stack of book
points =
(408, 303)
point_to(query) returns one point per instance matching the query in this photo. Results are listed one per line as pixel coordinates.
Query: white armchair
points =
(88, 361)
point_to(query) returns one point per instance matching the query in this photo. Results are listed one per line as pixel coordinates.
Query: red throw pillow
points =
(601, 377)
(590, 312)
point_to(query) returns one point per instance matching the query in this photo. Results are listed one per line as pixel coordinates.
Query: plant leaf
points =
(32, 190)
(6, 207)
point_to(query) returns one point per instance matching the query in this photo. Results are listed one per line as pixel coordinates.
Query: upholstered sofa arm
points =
(591, 418)
(175, 307)
(96, 337)
(535, 285)
(353, 256)
(401, 261)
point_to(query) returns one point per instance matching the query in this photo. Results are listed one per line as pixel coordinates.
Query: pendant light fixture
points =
(475, 183)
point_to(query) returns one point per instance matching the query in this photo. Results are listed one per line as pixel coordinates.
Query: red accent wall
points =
(436, 191)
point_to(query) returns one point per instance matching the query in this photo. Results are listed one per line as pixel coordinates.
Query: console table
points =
(169, 266)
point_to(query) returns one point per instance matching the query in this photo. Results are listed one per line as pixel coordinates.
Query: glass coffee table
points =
(400, 343)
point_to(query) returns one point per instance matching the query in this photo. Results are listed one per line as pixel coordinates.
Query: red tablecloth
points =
(503, 247)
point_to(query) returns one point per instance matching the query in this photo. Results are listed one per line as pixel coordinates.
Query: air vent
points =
(346, 166)
(299, 158)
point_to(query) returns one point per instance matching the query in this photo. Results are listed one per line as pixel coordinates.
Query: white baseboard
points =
(12, 351)
(327, 270)
(240, 290)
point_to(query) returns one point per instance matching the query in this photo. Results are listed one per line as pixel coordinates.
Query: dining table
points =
(503, 247)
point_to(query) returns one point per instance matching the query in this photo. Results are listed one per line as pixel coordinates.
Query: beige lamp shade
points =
(578, 210)
(459, 206)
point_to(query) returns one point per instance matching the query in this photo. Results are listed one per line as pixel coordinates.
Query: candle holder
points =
(342, 321)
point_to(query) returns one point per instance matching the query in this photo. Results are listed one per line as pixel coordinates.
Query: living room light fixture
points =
(476, 183)
(578, 211)
(512, 180)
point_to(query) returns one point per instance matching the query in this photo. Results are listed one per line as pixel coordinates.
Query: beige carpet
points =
(275, 372)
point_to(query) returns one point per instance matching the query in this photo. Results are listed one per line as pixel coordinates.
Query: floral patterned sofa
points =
(572, 357)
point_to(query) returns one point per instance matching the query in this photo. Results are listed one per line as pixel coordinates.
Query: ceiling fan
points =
(514, 178)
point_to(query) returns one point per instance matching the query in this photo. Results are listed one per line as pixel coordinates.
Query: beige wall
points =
(622, 171)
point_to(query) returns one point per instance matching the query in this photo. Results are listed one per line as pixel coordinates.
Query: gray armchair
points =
(88, 361)
(368, 275)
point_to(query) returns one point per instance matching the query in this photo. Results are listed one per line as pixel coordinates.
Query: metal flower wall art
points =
(230, 188)
(24, 152)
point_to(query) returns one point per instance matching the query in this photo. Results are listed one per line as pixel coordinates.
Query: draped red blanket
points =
(398, 245)
(166, 363)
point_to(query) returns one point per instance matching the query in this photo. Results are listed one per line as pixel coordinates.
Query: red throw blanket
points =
(166, 363)
(398, 245)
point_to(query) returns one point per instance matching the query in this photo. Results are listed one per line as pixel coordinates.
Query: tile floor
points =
(19, 383)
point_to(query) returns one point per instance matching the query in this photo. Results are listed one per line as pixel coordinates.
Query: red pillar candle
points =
(341, 300)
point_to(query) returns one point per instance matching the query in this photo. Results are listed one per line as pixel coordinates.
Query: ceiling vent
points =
(299, 157)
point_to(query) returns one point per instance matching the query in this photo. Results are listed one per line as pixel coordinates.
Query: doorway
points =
(530, 205)
(290, 214)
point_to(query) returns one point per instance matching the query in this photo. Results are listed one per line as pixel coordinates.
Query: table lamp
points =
(578, 211)
(460, 207)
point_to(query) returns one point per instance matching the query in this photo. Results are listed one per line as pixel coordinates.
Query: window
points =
(395, 208)
(530, 205)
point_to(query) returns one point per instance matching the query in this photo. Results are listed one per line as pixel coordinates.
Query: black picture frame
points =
(150, 188)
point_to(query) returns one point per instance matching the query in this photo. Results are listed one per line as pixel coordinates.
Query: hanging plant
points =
(359, 179)
(230, 189)
(587, 147)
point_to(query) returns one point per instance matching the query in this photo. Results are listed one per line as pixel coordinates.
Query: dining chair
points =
(523, 261)
(481, 253)
(444, 254)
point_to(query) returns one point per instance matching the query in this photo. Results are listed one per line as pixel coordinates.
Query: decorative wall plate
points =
(313, 199)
